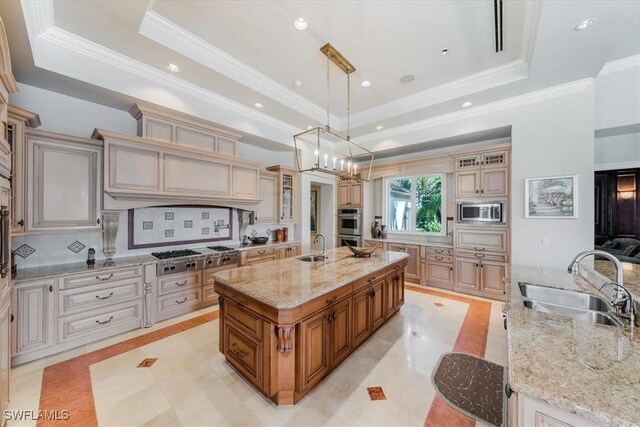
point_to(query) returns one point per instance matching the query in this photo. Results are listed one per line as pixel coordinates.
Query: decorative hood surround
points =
(245, 218)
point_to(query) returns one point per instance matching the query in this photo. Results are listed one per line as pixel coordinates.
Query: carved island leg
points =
(283, 365)
(221, 337)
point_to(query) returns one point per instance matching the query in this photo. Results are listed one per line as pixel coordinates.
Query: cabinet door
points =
(226, 146)
(481, 240)
(361, 316)
(33, 326)
(492, 277)
(439, 275)
(467, 274)
(5, 203)
(314, 339)
(470, 161)
(495, 183)
(343, 195)
(193, 138)
(390, 296)
(399, 288)
(287, 194)
(467, 184)
(63, 180)
(341, 331)
(158, 129)
(494, 159)
(377, 305)
(16, 141)
(268, 207)
(412, 271)
(355, 195)
(294, 251)
(5, 353)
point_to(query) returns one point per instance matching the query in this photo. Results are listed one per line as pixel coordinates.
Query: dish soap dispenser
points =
(91, 256)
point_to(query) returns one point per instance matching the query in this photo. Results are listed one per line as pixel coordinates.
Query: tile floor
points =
(190, 384)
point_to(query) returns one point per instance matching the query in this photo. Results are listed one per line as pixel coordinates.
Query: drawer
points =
(97, 277)
(209, 295)
(439, 251)
(368, 280)
(178, 282)
(485, 256)
(97, 296)
(444, 259)
(482, 240)
(324, 301)
(178, 303)
(98, 324)
(207, 275)
(260, 252)
(245, 319)
(244, 353)
(395, 268)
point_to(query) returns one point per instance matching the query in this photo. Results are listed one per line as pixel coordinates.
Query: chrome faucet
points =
(619, 304)
(576, 262)
(324, 244)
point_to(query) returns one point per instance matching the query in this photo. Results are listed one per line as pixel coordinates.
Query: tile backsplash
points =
(47, 249)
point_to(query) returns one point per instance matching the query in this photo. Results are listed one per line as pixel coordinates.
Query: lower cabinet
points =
(525, 411)
(178, 294)
(482, 278)
(412, 271)
(361, 317)
(244, 352)
(290, 251)
(340, 331)
(33, 303)
(314, 339)
(370, 308)
(5, 352)
(438, 275)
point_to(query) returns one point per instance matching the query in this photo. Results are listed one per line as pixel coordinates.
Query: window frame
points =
(412, 219)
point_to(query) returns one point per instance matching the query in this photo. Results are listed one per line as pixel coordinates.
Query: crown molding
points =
(38, 17)
(6, 75)
(486, 79)
(533, 10)
(620, 65)
(493, 107)
(172, 36)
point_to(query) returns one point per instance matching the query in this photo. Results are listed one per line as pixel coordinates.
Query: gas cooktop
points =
(174, 254)
(221, 248)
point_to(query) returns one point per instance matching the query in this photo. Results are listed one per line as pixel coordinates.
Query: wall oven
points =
(482, 212)
(351, 240)
(350, 222)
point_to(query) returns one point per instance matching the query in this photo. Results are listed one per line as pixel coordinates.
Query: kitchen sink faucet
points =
(324, 244)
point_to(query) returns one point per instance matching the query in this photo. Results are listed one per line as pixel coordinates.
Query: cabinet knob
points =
(98, 221)
(50, 288)
(21, 223)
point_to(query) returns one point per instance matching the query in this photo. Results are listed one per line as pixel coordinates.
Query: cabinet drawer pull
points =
(107, 297)
(371, 279)
(241, 302)
(104, 279)
(105, 322)
(235, 350)
(439, 251)
(21, 223)
(439, 258)
(480, 255)
(181, 284)
(183, 301)
(332, 300)
(478, 249)
(261, 252)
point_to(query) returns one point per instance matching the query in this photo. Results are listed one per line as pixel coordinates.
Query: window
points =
(415, 203)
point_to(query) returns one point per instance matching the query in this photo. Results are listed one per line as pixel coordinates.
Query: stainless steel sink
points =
(561, 297)
(312, 258)
(574, 313)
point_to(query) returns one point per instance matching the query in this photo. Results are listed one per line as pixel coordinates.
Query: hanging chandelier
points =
(322, 150)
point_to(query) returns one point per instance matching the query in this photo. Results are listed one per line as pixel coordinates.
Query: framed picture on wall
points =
(551, 197)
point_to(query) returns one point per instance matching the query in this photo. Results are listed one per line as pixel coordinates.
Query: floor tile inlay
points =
(438, 304)
(376, 393)
(146, 363)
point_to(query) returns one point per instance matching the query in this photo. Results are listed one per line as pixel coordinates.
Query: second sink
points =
(560, 297)
(574, 313)
(312, 258)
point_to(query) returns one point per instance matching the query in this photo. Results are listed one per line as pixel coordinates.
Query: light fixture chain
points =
(328, 124)
(348, 106)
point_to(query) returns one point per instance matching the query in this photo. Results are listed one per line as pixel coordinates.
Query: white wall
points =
(617, 96)
(71, 116)
(616, 151)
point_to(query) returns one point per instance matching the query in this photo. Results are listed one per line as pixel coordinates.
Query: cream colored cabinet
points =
(438, 267)
(350, 195)
(268, 208)
(5, 352)
(482, 278)
(529, 412)
(482, 239)
(412, 271)
(484, 175)
(5, 243)
(468, 275)
(33, 328)
(18, 121)
(289, 251)
(286, 193)
(63, 182)
(180, 129)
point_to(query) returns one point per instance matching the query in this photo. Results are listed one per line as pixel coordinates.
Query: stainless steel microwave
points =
(482, 212)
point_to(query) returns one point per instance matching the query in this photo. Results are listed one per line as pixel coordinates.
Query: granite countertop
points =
(441, 242)
(287, 283)
(631, 275)
(587, 369)
(48, 271)
(269, 244)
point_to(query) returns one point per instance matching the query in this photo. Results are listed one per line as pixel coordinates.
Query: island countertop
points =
(567, 363)
(288, 283)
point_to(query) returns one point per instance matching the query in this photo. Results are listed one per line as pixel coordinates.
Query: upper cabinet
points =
(268, 208)
(18, 121)
(350, 195)
(482, 175)
(63, 185)
(286, 193)
(142, 169)
(173, 127)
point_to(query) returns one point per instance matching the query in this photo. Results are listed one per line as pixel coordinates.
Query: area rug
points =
(473, 386)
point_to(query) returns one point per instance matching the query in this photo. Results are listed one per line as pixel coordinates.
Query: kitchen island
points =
(286, 324)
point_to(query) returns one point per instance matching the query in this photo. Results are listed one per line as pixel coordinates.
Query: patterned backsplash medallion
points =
(167, 226)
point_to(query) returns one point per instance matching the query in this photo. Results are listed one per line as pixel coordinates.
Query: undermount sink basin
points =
(564, 298)
(574, 313)
(312, 258)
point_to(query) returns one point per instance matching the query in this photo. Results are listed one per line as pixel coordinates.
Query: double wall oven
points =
(350, 227)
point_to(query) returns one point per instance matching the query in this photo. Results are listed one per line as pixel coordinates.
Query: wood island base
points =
(285, 353)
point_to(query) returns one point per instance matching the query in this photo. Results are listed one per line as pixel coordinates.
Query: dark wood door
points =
(377, 304)
(341, 331)
(603, 207)
(314, 339)
(361, 316)
(390, 296)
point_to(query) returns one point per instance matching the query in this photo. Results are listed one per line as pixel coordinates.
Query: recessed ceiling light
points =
(172, 67)
(258, 105)
(297, 83)
(584, 24)
(309, 127)
(379, 127)
(365, 83)
(467, 104)
(407, 78)
(443, 52)
(300, 23)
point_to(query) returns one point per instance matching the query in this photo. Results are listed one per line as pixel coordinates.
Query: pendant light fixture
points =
(324, 151)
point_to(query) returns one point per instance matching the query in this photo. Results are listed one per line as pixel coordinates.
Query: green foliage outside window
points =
(429, 204)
